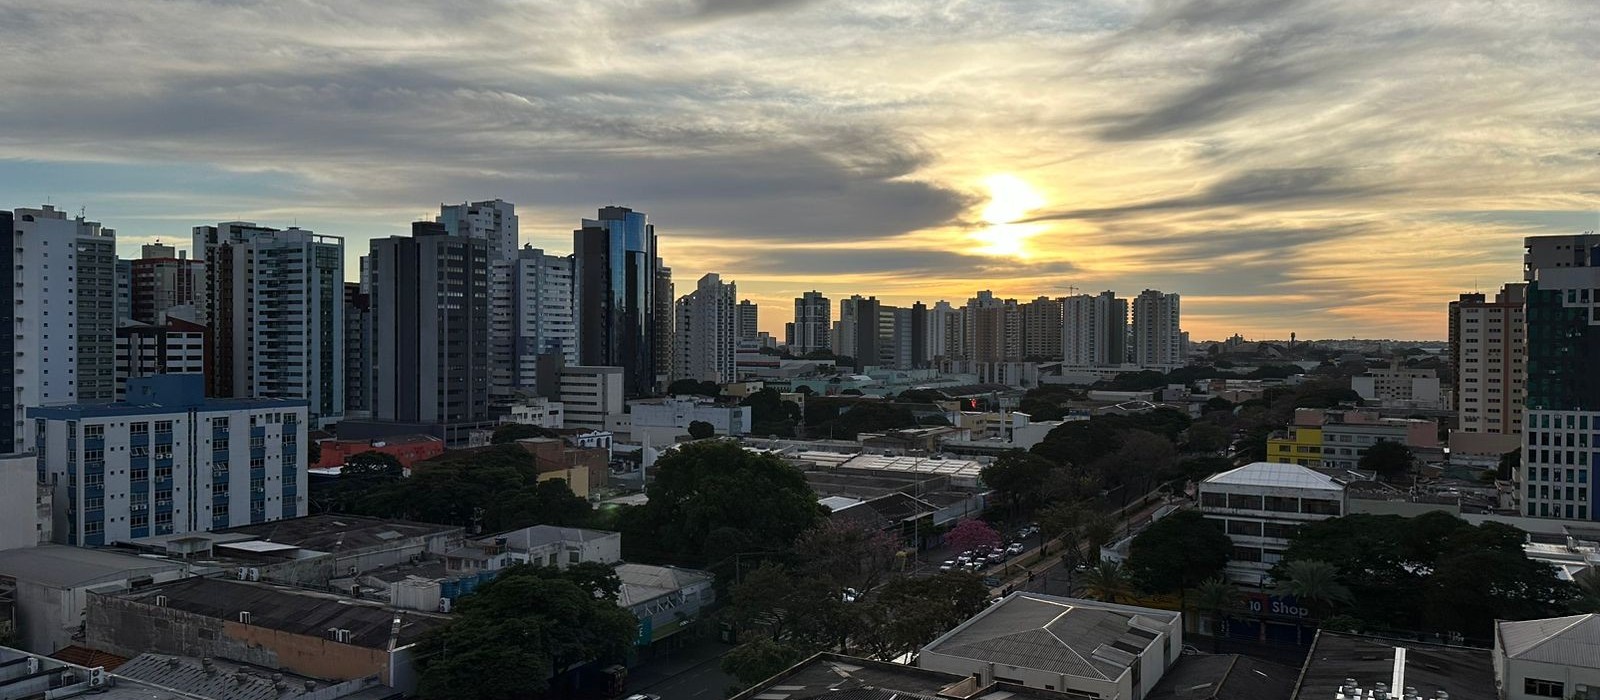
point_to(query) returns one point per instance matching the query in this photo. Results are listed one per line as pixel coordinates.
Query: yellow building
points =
(1297, 445)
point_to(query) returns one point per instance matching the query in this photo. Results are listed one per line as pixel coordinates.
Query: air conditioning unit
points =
(255, 574)
(345, 636)
(243, 573)
(244, 617)
(444, 605)
(161, 601)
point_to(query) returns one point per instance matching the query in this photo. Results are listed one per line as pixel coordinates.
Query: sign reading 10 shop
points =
(1263, 604)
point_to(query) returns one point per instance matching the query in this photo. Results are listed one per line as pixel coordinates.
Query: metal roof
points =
(1568, 641)
(72, 567)
(1061, 635)
(1271, 474)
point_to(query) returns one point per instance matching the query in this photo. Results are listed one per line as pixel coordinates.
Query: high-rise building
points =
(1562, 406)
(168, 461)
(542, 297)
(164, 278)
(174, 346)
(1041, 329)
(430, 308)
(812, 324)
(903, 336)
(495, 222)
(358, 345)
(75, 361)
(1487, 360)
(707, 331)
(617, 284)
(1094, 330)
(125, 290)
(857, 333)
(591, 395)
(666, 318)
(947, 334)
(275, 306)
(1157, 338)
(749, 320)
(994, 329)
(11, 407)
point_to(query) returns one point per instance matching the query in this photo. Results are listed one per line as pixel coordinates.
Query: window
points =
(164, 518)
(1244, 501)
(94, 432)
(139, 520)
(139, 428)
(139, 474)
(220, 445)
(574, 556)
(139, 451)
(1246, 554)
(163, 473)
(1213, 500)
(163, 427)
(1544, 689)
(1319, 507)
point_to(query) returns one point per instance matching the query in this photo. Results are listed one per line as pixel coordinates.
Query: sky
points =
(1333, 168)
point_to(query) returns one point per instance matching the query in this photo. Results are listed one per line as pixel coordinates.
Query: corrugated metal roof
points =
(1271, 474)
(1569, 641)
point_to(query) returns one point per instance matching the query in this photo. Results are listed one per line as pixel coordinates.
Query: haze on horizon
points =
(1335, 169)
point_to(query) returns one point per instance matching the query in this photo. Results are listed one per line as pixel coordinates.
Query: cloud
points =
(735, 8)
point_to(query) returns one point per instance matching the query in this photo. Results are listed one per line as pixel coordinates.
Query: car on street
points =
(948, 565)
(643, 696)
(1015, 548)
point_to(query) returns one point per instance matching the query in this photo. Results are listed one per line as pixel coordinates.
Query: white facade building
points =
(178, 347)
(675, 414)
(169, 461)
(1398, 387)
(1094, 330)
(589, 395)
(707, 331)
(1157, 336)
(812, 324)
(1550, 658)
(1260, 505)
(542, 300)
(538, 411)
(1489, 358)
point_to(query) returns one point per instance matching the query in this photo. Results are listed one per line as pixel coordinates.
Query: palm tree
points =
(1588, 584)
(1097, 530)
(1107, 580)
(1315, 583)
(1217, 598)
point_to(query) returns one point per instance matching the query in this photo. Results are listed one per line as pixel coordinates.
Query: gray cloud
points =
(1275, 187)
(734, 8)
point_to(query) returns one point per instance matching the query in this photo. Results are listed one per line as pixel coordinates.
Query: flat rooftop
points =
(848, 678)
(1082, 638)
(292, 610)
(1466, 673)
(71, 567)
(1225, 677)
(336, 533)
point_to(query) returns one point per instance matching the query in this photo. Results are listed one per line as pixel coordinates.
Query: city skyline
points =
(1336, 170)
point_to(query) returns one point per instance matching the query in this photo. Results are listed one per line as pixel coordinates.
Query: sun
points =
(1010, 199)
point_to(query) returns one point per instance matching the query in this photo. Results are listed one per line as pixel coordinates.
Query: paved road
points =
(691, 673)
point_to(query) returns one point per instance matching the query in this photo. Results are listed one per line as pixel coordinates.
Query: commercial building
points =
(1399, 387)
(1562, 415)
(812, 324)
(1041, 329)
(1488, 358)
(1347, 433)
(175, 346)
(542, 304)
(1069, 645)
(666, 331)
(707, 331)
(1552, 658)
(617, 282)
(275, 306)
(749, 317)
(168, 460)
(407, 449)
(666, 599)
(994, 329)
(664, 419)
(536, 410)
(494, 222)
(591, 395)
(857, 332)
(1157, 332)
(1357, 666)
(48, 587)
(358, 345)
(335, 638)
(1299, 443)
(430, 307)
(1094, 330)
(162, 278)
(1261, 505)
(828, 675)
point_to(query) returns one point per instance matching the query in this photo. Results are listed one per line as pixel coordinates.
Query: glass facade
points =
(616, 271)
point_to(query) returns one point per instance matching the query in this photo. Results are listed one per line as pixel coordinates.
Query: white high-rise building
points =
(1157, 337)
(73, 360)
(1094, 330)
(542, 292)
(494, 221)
(812, 324)
(947, 336)
(168, 461)
(275, 305)
(1488, 356)
(707, 331)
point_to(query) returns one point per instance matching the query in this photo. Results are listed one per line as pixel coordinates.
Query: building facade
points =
(1157, 336)
(706, 331)
(813, 323)
(358, 344)
(1488, 355)
(1094, 330)
(1041, 329)
(994, 329)
(749, 320)
(1561, 427)
(167, 460)
(430, 307)
(495, 223)
(589, 395)
(617, 284)
(176, 346)
(1260, 506)
(542, 300)
(163, 278)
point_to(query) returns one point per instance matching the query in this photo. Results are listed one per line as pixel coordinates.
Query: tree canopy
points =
(1019, 476)
(512, 432)
(1178, 552)
(700, 430)
(690, 387)
(1388, 459)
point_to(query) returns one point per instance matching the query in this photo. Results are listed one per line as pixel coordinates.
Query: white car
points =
(850, 595)
(1014, 549)
(948, 565)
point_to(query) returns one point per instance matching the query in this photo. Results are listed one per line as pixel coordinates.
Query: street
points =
(691, 673)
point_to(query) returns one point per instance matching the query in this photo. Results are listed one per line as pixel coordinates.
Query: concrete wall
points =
(1033, 678)
(19, 501)
(1516, 672)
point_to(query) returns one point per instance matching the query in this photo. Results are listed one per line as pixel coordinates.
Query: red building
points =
(409, 449)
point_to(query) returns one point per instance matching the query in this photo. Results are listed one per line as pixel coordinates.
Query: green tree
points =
(1315, 584)
(512, 432)
(909, 612)
(691, 387)
(759, 659)
(848, 552)
(1389, 459)
(711, 500)
(1206, 437)
(700, 430)
(1018, 475)
(1098, 529)
(538, 622)
(1107, 581)
(1178, 552)
(313, 452)
(1079, 442)
(770, 414)
(1216, 598)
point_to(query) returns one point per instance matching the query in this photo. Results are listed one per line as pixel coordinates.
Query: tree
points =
(1107, 581)
(1098, 529)
(1178, 552)
(907, 613)
(690, 387)
(759, 659)
(1206, 437)
(713, 499)
(512, 432)
(1388, 459)
(1217, 598)
(1079, 442)
(1018, 475)
(313, 453)
(491, 489)
(970, 534)
(770, 414)
(1314, 583)
(539, 622)
(849, 552)
(700, 430)
(1062, 521)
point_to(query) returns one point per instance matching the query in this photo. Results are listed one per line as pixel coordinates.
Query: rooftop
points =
(545, 535)
(644, 582)
(227, 680)
(1274, 475)
(1081, 638)
(1225, 677)
(72, 567)
(336, 533)
(1337, 657)
(838, 677)
(1568, 641)
(293, 610)
(161, 393)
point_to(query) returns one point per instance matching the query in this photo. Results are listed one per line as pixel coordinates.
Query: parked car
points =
(643, 696)
(850, 595)
(948, 565)
(1015, 548)
(991, 581)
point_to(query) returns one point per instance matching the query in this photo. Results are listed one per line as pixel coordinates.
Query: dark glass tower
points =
(615, 275)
